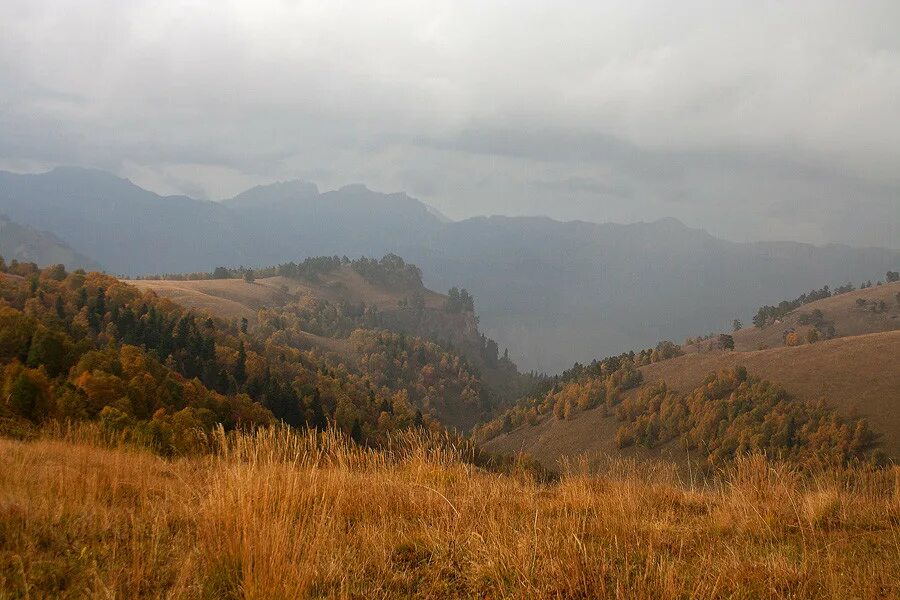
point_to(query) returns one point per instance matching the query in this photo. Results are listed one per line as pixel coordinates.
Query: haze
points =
(752, 120)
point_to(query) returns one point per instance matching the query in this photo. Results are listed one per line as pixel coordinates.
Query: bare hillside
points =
(859, 373)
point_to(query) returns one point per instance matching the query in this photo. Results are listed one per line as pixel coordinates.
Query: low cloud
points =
(752, 121)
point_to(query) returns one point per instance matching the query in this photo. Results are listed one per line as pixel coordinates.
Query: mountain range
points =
(25, 244)
(554, 292)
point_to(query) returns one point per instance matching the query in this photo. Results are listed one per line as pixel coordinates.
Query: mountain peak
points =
(355, 188)
(82, 171)
(670, 222)
(73, 174)
(274, 193)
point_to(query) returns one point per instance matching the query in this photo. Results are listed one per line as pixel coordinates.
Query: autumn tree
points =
(725, 342)
(240, 366)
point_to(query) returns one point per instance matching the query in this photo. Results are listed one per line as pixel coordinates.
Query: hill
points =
(857, 375)
(88, 347)
(538, 281)
(329, 302)
(237, 298)
(24, 244)
(856, 312)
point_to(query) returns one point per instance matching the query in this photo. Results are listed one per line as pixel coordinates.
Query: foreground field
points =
(280, 515)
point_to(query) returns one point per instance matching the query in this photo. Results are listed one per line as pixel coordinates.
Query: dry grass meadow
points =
(279, 514)
(234, 298)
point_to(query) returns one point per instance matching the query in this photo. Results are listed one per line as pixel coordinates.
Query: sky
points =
(754, 120)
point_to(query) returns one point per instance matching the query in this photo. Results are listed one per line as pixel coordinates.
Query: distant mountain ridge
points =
(24, 244)
(538, 281)
(274, 193)
(127, 228)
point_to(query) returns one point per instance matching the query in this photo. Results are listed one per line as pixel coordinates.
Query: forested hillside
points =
(822, 314)
(321, 301)
(816, 376)
(86, 346)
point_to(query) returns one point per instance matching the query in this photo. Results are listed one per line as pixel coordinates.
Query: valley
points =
(538, 281)
(856, 372)
(306, 300)
(170, 408)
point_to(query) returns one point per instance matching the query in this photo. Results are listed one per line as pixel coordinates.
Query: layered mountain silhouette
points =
(554, 292)
(25, 244)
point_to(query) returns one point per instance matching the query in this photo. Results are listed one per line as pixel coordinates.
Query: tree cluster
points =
(875, 306)
(766, 315)
(732, 413)
(391, 272)
(439, 383)
(459, 300)
(311, 268)
(600, 384)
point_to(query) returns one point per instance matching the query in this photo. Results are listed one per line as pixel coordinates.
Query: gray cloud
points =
(755, 121)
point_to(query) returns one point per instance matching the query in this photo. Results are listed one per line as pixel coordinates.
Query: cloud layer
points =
(754, 120)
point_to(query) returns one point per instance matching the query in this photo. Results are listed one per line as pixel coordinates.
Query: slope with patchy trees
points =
(87, 346)
(842, 347)
(319, 302)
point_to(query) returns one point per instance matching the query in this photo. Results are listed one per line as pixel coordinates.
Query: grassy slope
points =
(281, 516)
(858, 372)
(237, 298)
(849, 319)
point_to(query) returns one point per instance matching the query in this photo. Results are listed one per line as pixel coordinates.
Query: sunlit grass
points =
(280, 514)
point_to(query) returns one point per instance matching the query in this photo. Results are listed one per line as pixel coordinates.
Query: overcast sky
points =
(754, 120)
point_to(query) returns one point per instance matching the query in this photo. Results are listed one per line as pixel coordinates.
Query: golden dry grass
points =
(285, 515)
(849, 318)
(226, 298)
(230, 298)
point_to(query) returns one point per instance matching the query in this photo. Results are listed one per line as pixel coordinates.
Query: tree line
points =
(767, 314)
